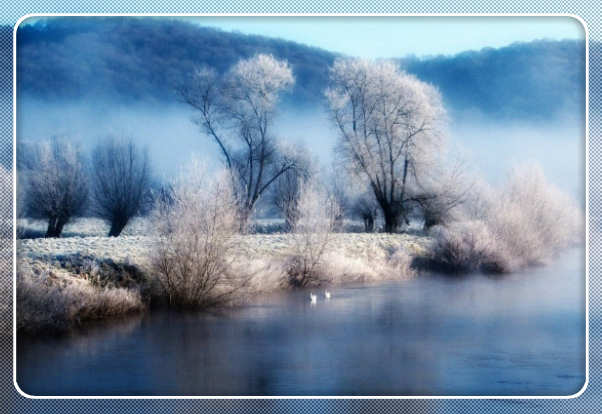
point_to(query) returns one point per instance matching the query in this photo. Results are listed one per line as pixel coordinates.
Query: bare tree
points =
(237, 111)
(121, 180)
(390, 125)
(286, 188)
(55, 181)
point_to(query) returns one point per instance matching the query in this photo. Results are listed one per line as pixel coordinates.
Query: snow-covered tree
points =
(390, 126)
(55, 182)
(121, 181)
(237, 111)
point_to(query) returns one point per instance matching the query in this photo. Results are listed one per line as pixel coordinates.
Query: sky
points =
(384, 37)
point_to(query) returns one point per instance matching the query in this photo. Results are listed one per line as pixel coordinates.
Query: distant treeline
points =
(132, 59)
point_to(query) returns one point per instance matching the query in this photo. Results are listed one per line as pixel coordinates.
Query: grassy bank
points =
(67, 282)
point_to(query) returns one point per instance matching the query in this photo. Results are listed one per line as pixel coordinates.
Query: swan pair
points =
(314, 298)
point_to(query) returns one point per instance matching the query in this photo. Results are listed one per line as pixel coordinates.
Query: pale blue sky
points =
(399, 36)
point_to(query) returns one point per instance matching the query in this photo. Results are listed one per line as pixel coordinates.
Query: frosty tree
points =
(121, 180)
(237, 111)
(56, 183)
(390, 126)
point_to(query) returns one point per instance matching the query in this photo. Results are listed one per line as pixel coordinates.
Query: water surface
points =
(522, 334)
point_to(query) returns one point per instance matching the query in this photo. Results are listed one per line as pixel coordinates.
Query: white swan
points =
(327, 294)
(313, 298)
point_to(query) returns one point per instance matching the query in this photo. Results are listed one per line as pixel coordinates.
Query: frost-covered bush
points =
(312, 233)
(464, 246)
(400, 264)
(523, 223)
(47, 301)
(192, 258)
(532, 218)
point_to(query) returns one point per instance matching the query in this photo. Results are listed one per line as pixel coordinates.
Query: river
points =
(521, 334)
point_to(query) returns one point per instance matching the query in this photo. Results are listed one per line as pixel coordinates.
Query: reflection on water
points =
(518, 335)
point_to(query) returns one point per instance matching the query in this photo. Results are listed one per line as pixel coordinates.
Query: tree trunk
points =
(391, 220)
(117, 226)
(430, 221)
(51, 229)
(245, 214)
(59, 226)
(55, 227)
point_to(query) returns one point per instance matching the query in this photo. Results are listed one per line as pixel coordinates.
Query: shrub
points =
(463, 246)
(522, 224)
(532, 218)
(49, 301)
(192, 259)
(317, 217)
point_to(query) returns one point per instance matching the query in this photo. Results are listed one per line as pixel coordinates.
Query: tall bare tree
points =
(390, 126)
(55, 182)
(121, 181)
(237, 111)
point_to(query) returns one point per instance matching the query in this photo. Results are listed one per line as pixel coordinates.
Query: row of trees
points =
(390, 126)
(56, 183)
(391, 129)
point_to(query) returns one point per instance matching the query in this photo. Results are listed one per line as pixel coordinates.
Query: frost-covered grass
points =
(50, 298)
(135, 249)
(81, 227)
(28, 228)
(65, 281)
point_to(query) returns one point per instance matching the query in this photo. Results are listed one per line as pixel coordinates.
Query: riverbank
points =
(69, 281)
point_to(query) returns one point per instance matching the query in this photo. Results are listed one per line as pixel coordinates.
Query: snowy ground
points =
(57, 276)
(80, 227)
(350, 256)
(136, 249)
(139, 226)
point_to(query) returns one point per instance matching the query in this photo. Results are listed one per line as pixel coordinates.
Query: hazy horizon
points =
(491, 143)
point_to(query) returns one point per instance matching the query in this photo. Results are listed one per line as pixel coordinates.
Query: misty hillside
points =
(136, 59)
